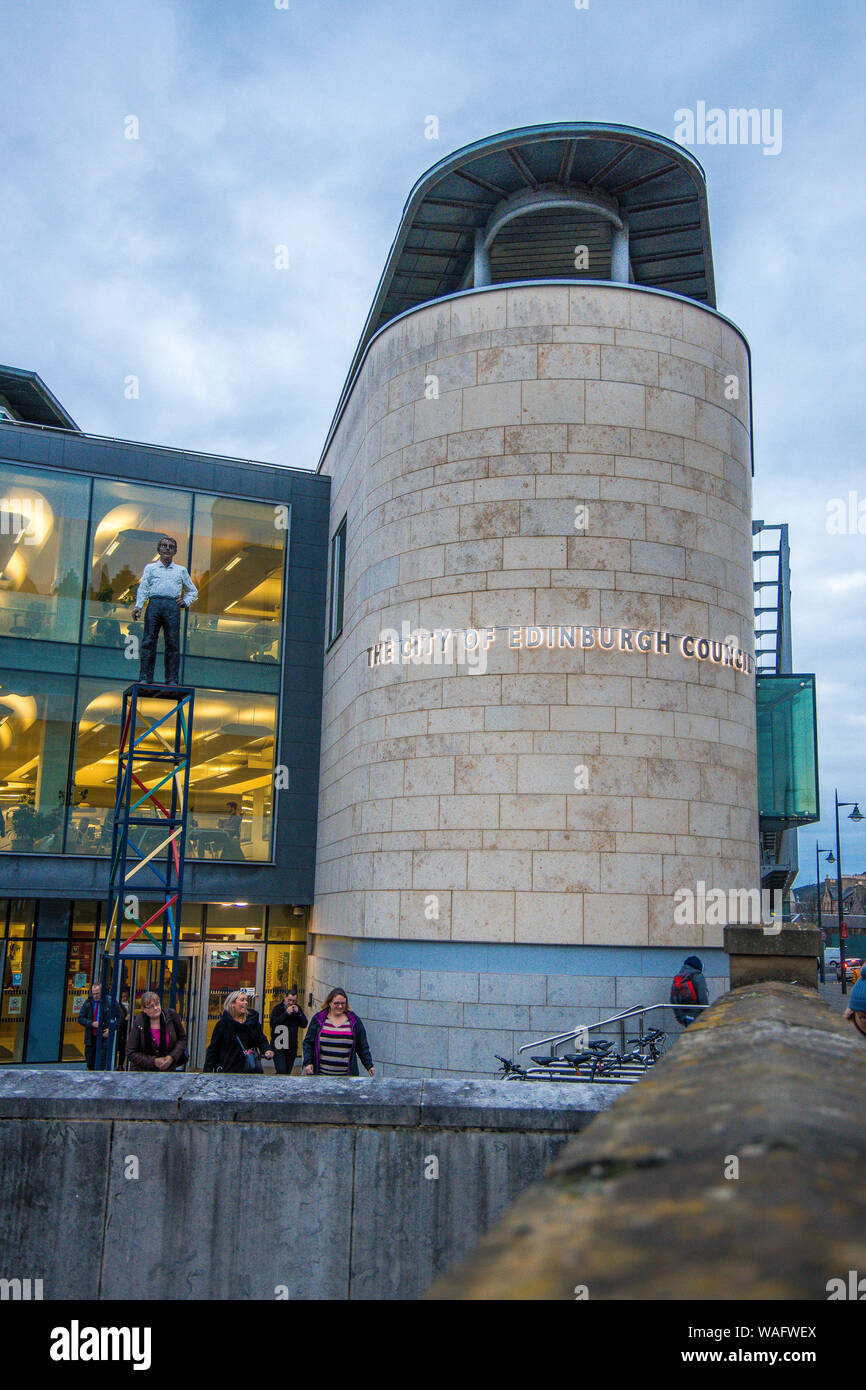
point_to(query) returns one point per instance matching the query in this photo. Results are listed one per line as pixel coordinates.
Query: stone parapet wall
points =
(236, 1188)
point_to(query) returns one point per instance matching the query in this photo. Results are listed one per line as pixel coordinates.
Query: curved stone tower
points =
(552, 478)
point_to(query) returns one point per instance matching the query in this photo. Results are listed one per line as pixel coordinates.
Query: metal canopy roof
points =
(655, 183)
(27, 394)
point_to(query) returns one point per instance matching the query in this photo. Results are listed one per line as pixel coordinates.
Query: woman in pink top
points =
(157, 1038)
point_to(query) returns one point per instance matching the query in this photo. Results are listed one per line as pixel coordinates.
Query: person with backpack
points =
(689, 987)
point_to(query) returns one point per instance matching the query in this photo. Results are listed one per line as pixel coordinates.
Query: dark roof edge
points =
(34, 379)
(142, 444)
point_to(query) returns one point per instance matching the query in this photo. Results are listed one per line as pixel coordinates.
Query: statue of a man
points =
(166, 588)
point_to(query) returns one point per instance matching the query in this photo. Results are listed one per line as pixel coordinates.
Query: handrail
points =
(634, 1012)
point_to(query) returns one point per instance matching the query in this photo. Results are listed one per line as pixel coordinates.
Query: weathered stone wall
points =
(735, 1171)
(246, 1186)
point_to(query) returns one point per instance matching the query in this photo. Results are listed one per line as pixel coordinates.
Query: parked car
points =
(852, 963)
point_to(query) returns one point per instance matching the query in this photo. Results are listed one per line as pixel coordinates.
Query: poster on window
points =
(14, 1005)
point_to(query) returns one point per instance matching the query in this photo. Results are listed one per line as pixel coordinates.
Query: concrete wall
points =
(256, 1188)
(440, 783)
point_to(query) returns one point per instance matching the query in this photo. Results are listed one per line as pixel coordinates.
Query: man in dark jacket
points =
(689, 987)
(235, 1038)
(95, 1012)
(286, 1018)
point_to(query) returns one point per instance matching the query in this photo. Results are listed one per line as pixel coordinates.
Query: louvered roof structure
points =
(524, 197)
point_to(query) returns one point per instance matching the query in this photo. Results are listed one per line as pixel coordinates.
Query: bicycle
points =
(510, 1071)
(654, 1042)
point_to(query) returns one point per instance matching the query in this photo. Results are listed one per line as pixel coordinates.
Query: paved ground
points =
(832, 994)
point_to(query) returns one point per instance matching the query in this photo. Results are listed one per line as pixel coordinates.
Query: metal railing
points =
(561, 1070)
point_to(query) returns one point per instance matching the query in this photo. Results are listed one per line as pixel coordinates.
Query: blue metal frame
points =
(161, 867)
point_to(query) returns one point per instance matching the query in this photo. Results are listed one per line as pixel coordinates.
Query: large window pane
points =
(95, 776)
(43, 529)
(238, 556)
(787, 759)
(35, 737)
(231, 778)
(128, 520)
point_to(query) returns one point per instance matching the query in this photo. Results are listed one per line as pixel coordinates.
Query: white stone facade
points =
(452, 808)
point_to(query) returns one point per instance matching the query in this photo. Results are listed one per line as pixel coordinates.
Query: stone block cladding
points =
(562, 796)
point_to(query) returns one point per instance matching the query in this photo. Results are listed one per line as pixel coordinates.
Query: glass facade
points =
(72, 550)
(787, 750)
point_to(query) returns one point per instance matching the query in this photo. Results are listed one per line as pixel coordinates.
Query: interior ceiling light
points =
(231, 564)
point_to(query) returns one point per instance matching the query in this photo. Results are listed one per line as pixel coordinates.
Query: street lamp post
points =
(855, 816)
(818, 852)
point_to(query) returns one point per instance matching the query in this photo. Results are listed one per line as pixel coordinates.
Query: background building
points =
(546, 430)
(544, 339)
(79, 518)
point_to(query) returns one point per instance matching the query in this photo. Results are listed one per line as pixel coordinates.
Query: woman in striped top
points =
(335, 1039)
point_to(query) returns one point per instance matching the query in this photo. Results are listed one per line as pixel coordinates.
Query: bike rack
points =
(564, 1071)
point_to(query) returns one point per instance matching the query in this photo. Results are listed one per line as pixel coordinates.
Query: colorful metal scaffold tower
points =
(145, 892)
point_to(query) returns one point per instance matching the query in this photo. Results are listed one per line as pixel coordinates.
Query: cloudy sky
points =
(304, 127)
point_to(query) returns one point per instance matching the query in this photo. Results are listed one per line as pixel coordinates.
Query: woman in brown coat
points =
(157, 1039)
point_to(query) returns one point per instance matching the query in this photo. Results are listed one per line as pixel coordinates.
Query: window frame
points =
(337, 583)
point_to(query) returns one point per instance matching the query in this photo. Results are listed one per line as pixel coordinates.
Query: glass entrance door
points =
(226, 968)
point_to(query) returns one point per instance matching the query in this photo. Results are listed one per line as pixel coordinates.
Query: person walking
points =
(238, 1042)
(335, 1039)
(157, 1038)
(689, 987)
(95, 1014)
(286, 1018)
